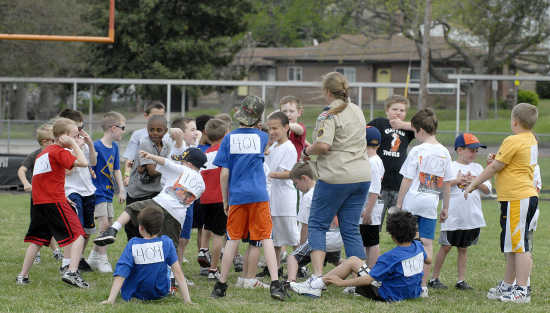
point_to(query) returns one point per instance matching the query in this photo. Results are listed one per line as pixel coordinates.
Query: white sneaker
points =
(496, 292)
(100, 264)
(189, 282)
(516, 295)
(254, 283)
(424, 293)
(307, 288)
(184, 260)
(349, 290)
(240, 282)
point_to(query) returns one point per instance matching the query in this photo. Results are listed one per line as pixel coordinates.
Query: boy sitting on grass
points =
(142, 269)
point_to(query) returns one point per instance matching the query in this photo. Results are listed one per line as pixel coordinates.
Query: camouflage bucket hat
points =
(250, 111)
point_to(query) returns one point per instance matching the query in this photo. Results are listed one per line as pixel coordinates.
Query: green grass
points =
(47, 293)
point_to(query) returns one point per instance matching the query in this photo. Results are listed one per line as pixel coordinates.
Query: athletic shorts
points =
(461, 238)
(370, 234)
(302, 254)
(426, 227)
(57, 219)
(188, 223)
(217, 220)
(170, 226)
(85, 208)
(515, 218)
(199, 215)
(368, 291)
(254, 243)
(285, 231)
(131, 229)
(253, 218)
(104, 209)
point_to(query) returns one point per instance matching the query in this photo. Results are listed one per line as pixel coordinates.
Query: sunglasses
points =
(121, 127)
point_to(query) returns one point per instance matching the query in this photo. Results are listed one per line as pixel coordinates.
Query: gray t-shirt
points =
(141, 184)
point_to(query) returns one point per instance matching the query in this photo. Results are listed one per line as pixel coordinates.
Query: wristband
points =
(305, 152)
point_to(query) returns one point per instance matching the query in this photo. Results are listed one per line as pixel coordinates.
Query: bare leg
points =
(292, 267)
(217, 243)
(439, 260)
(245, 261)
(76, 253)
(200, 233)
(252, 260)
(104, 222)
(510, 274)
(348, 266)
(427, 267)
(373, 253)
(182, 243)
(31, 252)
(53, 244)
(523, 264)
(317, 260)
(231, 247)
(461, 263)
(270, 259)
(278, 256)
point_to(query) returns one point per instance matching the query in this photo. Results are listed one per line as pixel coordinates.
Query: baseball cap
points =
(192, 155)
(467, 140)
(250, 111)
(373, 136)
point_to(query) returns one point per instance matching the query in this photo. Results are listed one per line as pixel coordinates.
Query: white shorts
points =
(285, 231)
(515, 219)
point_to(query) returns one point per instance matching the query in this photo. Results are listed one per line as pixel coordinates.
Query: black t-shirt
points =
(29, 163)
(392, 151)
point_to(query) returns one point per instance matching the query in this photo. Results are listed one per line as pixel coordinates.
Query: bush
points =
(543, 89)
(528, 97)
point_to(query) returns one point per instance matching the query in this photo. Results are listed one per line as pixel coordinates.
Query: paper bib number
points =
(245, 144)
(148, 253)
(42, 165)
(413, 266)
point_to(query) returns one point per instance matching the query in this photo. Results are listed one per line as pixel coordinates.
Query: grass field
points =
(47, 293)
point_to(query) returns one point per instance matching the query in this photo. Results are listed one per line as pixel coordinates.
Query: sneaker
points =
(185, 260)
(100, 264)
(213, 274)
(424, 293)
(238, 263)
(21, 280)
(305, 288)
(462, 285)
(516, 295)
(203, 258)
(37, 259)
(263, 273)
(63, 269)
(349, 290)
(204, 271)
(219, 290)
(253, 283)
(84, 266)
(277, 290)
(496, 292)
(240, 282)
(435, 283)
(189, 282)
(74, 278)
(302, 272)
(58, 255)
(106, 237)
(286, 288)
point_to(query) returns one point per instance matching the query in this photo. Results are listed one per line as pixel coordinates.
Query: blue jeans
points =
(345, 201)
(188, 223)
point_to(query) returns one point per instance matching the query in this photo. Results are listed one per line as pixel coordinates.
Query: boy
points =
(44, 136)
(513, 167)
(142, 269)
(369, 226)
(51, 213)
(291, 107)
(426, 174)
(107, 176)
(462, 226)
(244, 192)
(396, 275)
(396, 136)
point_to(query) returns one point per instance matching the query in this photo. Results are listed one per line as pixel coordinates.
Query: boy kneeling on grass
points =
(397, 274)
(142, 269)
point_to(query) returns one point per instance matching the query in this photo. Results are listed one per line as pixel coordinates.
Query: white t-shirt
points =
(465, 213)
(376, 174)
(283, 194)
(79, 179)
(305, 205)
(428, 166)
(333, 241)
(267, 180)
(135, 139)
(179, 178)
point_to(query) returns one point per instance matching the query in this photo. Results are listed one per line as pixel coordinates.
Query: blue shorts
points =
(85, 207)
(426, 227)
(188, 223)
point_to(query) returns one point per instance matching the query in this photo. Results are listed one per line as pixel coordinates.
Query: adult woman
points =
(344, 177)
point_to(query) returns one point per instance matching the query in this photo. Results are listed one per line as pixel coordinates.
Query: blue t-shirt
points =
(400, 272)
(203, 147)
(242, 152)
(107, 162)
(144, 265)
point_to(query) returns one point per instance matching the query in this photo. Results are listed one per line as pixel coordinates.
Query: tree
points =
(486, 35)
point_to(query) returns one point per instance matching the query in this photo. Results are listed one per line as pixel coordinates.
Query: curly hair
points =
(401, 226)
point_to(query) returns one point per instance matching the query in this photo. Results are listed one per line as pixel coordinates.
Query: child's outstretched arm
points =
(157, 159)
(115, 290)
(180, 278)
(493, 168)
(296, 128)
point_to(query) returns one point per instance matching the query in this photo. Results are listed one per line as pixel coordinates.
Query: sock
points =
(317, 283)
(65, 262)
(529, 280)
(506, 285)
(93, 254)
(116, 225)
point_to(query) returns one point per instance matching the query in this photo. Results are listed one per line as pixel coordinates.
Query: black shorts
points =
(57, 219)
(370, 234)
(254, 243)
(217, 220)
(369, 291)
(199, 215)
(131, 229)
(170, 226)
(303, 255)
(461, 238)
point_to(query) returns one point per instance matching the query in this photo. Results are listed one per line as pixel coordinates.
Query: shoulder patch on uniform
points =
(325, 116)
(326, 108)
(320, 132)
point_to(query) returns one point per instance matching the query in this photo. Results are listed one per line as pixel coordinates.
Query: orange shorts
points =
(253, 218)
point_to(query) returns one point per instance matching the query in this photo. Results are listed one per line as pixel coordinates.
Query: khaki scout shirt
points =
(346, 161)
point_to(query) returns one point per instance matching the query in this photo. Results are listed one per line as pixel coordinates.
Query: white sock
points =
(116, 225)
(529, 280)
(317, 282)
(65, 262)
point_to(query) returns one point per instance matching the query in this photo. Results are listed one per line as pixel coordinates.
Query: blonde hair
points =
(525, 114)
(62, 126)
(111, 119)
(338, 86)
(396, 99)
(290, 99)
(44, 132)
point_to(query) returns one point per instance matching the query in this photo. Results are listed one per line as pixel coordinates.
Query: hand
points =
(334, 280)
(467, 191)
(122, 196)
(443, 215)
(394, 209)
(107, 302)
(86, 137)
(490, 158)
(144, 154)
(66, 141)
(175, 133)
(461, 180)
(126, 181)
(27, 187)
(396, 123)
(226, 208)
(92, 173)
(367, 220)
(71, 203)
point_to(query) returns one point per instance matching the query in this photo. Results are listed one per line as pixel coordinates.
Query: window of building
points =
(348, 72)
(295, 73)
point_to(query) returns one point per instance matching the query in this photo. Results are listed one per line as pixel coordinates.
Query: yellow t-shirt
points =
(515, 181)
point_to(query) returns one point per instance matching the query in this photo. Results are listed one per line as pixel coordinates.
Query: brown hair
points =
(111, 119)
(290, 99)
(181, 122)
(300, 169)
(338, 86)
(226, 118)
(215, 129)
(151, 219)
(426, 120)
(62, 126)
(396, 99)
(44, 132)
(72, 115)
(525, 114)
(154, 105)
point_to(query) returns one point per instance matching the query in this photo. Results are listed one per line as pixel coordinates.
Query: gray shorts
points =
(285, 231)
(170, 227)
(390, 199)
(104, 209)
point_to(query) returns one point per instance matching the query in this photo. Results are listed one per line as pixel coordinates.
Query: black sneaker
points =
(203, 258)
(219, 290)
(107, 237)
(286, 288)
(263, 273)
(302, 272)
(84, 266)
(436, 284)
(63, 269)
(21, 280)
(277, 290)
(462, 285)
(74, 278)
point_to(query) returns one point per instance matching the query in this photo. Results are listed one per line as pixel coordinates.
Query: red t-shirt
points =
(299, 141)
(211, 176)
(48, 181)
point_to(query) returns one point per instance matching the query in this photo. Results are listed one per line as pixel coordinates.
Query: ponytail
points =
(338, 86)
